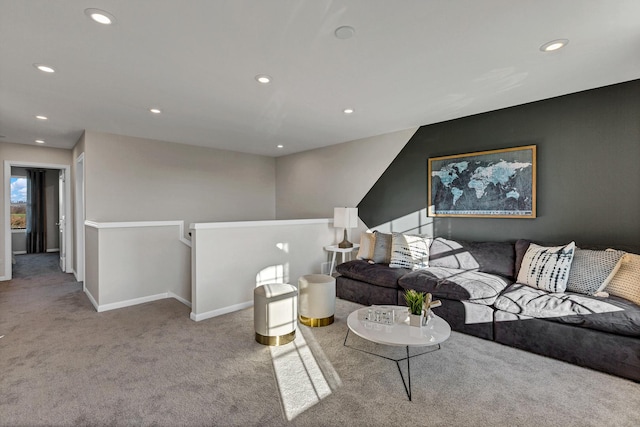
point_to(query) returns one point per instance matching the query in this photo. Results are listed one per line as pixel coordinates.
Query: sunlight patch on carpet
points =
(300, 375)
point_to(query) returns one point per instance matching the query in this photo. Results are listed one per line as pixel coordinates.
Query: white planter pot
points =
(415, 320)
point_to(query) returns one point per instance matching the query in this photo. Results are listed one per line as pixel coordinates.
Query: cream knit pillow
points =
(626, 282)
(367, 243)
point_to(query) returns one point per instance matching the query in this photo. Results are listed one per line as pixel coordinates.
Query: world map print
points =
(493, 183)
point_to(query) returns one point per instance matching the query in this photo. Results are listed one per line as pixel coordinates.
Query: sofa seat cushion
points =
(486, 257)
(613, 315)
(456, 284)
(376, 274)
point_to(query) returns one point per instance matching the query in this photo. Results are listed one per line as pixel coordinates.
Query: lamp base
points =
(345, 243)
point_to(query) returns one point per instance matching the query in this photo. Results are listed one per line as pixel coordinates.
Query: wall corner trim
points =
(92, 299)
(179, 298)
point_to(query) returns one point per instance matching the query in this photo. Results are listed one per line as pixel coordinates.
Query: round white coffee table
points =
(397, 332)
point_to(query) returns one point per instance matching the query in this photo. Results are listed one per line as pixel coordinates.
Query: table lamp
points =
(345, 218)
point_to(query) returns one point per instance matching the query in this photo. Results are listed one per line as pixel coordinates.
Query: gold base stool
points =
(316, 300)
(308, 321)
(274, 313)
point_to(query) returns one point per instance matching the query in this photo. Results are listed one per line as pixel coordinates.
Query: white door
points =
(79, 212)
(61, 220)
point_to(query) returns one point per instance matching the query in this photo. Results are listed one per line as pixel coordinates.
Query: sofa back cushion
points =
(521, 247)
(486, 257)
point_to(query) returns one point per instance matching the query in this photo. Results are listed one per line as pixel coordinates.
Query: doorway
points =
(62, 220)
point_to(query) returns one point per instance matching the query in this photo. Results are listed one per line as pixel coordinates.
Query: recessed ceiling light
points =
(348, 110)
(45, 68)
(40, 141)
(279, 146)
(344, 32)
(42, 117)
(100, 16)
(554, 45)
(263, 78)
(155, 110)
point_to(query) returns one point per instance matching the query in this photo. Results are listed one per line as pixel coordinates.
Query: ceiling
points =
(409, 63)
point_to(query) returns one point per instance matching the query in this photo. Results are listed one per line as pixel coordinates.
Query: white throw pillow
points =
(626, 282)
(409, 251)
(547, 268)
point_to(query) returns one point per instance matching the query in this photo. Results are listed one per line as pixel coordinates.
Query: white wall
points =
(136, 262)
(135, 179)
(310, 184)
(230, 259)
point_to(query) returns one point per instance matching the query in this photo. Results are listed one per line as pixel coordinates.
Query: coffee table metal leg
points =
(407, 389)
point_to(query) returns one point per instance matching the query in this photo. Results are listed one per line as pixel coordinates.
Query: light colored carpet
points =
(61, 363)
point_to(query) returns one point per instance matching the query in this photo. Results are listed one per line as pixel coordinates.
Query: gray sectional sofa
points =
(476, 282)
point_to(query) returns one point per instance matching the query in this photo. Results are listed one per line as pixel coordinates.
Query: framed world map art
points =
(494, 184)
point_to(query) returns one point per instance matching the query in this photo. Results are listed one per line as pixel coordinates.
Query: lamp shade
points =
(345, 217)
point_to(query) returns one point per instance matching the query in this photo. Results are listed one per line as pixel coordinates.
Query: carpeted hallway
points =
(62, 363)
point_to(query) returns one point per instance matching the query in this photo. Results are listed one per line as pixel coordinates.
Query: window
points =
(18, 202)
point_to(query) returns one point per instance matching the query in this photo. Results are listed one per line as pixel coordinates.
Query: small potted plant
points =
(415, 301)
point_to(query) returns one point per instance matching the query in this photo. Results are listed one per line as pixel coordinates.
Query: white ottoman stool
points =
(274, 313)
(316, 299)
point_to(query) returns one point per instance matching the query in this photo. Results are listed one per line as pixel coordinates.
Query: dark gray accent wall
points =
(588, 170)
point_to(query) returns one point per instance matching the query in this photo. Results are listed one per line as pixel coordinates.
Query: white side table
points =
(344, 251)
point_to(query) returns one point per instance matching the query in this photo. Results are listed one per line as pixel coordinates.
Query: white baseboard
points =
(25, 252)
(179, 298)
(129, 303)
(3, 278)
(220, 311)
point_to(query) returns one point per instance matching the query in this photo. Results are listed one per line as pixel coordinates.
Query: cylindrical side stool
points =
(316, 299)
(274, 313)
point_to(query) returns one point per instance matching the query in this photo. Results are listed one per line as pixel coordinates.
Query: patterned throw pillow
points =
(626, 282)
(409, 251)
(590, 270)
(382, 248)
(547, 268)
(367, 242)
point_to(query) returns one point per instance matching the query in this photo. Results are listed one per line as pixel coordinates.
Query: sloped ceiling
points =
(409, 63)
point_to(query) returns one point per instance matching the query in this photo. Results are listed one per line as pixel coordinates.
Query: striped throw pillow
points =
(547, 268)
(409, 251)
